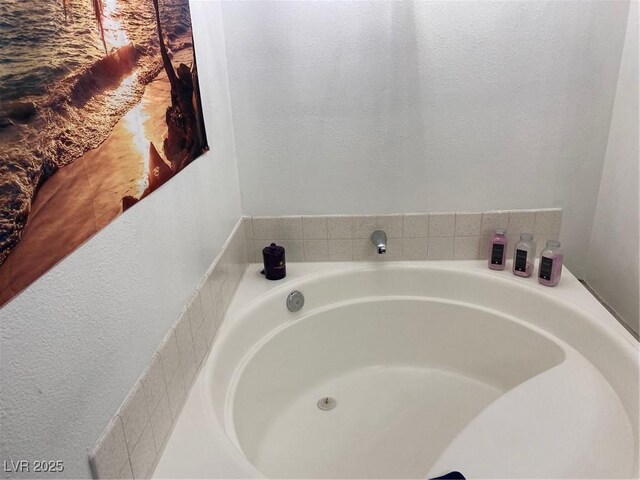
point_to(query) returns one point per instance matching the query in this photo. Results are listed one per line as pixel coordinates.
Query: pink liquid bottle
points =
(524, 255)
(498, 250)
(550, 267)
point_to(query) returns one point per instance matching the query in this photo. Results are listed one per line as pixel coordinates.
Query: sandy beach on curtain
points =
(83, 197)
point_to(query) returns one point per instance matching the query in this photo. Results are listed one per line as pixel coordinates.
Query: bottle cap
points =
(526, 236)
(500, 231)
(553, 244)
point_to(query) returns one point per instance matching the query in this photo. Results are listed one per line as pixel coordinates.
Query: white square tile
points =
(548, 221)
(236, 248)
(241, 250)
(209, 326)
(391, 225)
(265, 228)
(250, 252)
(200, 345)
(484, 247)
(248, 228)
(206, 298)
(442, 224)
(259, 245)
(153, 382)
(218, 312)
(240, 243)
(511, 243)
(394, 251)
(211, 332)
(184, 338)
(244, 259)
(363, 250)
(229, 288)
(363, 226)
(468, 224)
(126, 473)
(224, 262)
(222, 301)
(208, 322)
(134, 415)
(466, 248)
(339, 226)
(290, 228)
(189, 371)
(161, 423)
(236, 274)
(314, 227)
(494, 220)
(340, 250)
(196, 314)
(109, 455)
(169, 354)
(316, 251)
(293, 250)
(176, 394)
(440, 248)
(415, 225)
(215, 279)
(144, 455)
(239, 236)
(521, 221)
(414, 248)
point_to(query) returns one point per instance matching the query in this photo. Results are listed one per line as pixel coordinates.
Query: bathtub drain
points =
(327, 403)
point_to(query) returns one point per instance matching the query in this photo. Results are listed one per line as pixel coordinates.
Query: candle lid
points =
(272, 249)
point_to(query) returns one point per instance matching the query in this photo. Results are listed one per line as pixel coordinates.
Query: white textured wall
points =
(73, 344)
(385, 107)
(613, 252)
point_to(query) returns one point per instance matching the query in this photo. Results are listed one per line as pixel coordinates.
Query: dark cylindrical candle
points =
(275, 267)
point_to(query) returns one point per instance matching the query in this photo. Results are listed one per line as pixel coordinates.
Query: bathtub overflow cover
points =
(295, 301)
(327, 403)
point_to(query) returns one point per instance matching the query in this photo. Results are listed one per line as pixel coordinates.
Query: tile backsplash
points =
(132, 442)
(411, 236)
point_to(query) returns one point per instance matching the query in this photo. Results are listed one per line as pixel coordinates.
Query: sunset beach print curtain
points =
(99, 106)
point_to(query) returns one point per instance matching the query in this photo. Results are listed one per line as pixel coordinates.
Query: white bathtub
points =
(434, 366)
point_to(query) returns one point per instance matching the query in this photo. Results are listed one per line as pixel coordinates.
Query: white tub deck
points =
(459, 392)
